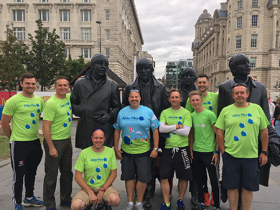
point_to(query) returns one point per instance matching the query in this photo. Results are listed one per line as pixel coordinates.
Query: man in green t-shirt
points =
(23, 110)
(238, 126)
(210, 102)
(98, 163)
(204, 150)
(57, 119)
(176, 155)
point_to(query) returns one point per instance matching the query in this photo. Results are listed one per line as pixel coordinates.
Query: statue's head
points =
(239, 64)
(99, 64)
(144, 69)
(188, 76)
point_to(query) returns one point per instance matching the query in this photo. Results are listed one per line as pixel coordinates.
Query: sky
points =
(168, 27)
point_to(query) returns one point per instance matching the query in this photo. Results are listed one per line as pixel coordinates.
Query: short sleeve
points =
(9, 107)
(264, 122)
(220, 121)
(113, 160)
(212, 118)
(154, 121)
(116, 125)
(162, 117)
(49, 111)
(80, 164)
(187, 119)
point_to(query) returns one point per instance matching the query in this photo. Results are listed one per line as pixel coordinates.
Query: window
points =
(229, 25)
(64, 33)
(86, 52)
(228, 44)
(239, 5)
(107, 53)
(64, 0)
(239, 22)
(107, 15)
(86, 33)
(19, 33)
(64, 15)
(238, 42)
(67, 52)
(19, 15)
(18, 0)
(85, 0)
(107, 35)
(43, 0)
(254, 20)
(85, 15)
(255, 3)
(254, 38)
(44, 15)
(253, 62)
(46, 29)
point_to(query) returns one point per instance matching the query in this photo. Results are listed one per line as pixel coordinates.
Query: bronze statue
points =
(96, 100)
(188, 77)
(153, 95)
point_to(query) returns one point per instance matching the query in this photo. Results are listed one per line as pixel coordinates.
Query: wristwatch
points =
(103, 189)
(265, 152)
(156, 149)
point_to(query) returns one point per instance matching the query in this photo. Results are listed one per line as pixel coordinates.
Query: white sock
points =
(130, 203)
(140, 203)
(29, 198)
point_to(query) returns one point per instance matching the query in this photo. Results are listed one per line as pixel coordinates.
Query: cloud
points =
(138, 132)
(168, 28)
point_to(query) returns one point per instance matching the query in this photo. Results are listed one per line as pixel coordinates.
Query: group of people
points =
(192, 126)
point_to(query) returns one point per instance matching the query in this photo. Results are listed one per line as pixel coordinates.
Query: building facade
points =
(75, 23)
(251, 27)
(173, 70)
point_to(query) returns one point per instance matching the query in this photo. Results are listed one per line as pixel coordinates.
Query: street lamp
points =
(99, 23)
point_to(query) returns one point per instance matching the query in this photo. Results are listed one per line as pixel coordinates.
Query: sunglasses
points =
(135, 90)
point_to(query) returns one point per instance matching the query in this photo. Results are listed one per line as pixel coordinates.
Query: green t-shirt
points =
(210, 102)
(96, 166)
(59, 111)
(242, 126)
(204, 135)
(172, 117)
(25, 114)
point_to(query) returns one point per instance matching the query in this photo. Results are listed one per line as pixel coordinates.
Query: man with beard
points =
(153, 95)
(96, 100)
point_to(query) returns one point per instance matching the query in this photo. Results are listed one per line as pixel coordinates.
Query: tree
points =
(74, 67)
(12, 57)
(46, 58)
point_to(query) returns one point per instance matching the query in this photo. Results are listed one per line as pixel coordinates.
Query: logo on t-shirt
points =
(133, 118)
(243, 125)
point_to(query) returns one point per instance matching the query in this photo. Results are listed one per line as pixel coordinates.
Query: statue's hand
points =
(102, 117)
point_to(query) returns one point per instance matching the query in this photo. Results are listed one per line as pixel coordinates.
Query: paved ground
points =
(266, 198)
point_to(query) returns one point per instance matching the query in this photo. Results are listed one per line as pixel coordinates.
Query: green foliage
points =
(12, 57)
(74, 67)
(46, 58)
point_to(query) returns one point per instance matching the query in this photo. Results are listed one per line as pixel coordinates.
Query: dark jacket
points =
(87, 100)
(159, 95)
(258, 96)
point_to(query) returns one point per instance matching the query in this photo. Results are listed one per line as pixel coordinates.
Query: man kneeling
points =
(99, 165)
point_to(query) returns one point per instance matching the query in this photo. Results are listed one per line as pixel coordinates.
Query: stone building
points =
(251, 27)
(75, 23)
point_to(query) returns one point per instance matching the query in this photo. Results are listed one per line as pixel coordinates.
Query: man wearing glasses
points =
(135, 122)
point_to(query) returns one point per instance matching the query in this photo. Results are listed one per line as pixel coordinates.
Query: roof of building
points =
(109, 73)
(136, 19)
(204, 15)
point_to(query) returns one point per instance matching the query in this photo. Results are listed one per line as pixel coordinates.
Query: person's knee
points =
(164, 181)
(77, 204)
(113, 199)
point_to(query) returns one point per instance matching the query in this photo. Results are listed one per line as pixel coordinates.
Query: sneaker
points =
(18, 207)
(206, 199)
(215, 208)
(223, 194)
(212, 199)
(52, 208)
(164, 207)
(66, 204)
(180, 205)
(108, 207)
(128, 206)
(147, 203)
(99, 206)
(139, 207)
(32, 202)
(88, 207)
(194, 200)
(199, 206)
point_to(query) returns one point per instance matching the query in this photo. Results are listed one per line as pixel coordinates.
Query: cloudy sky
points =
(168, 27)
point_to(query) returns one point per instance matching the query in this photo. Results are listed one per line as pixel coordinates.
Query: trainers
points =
(18, 207)
(88, 207)
(32, 202)
(199, 206)
(194, 200)
(66, 204)
(180, 205)
(99, 206)
(206, 199)
(108, 207)
(212, 199)
(139, 207)
(147, 203)
(128, 206)
(215, 208)
(164, 207)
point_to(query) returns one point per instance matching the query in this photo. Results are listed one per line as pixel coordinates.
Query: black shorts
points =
(177, 159)
(240, 172)
(139, 165)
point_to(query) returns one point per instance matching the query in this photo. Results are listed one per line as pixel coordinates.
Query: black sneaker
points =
(147, 203)
(88, 207)
(199, 206)
(99, 206)
(194, 200)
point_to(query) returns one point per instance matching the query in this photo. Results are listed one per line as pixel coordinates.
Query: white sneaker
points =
(139, 207)
(128, 206)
